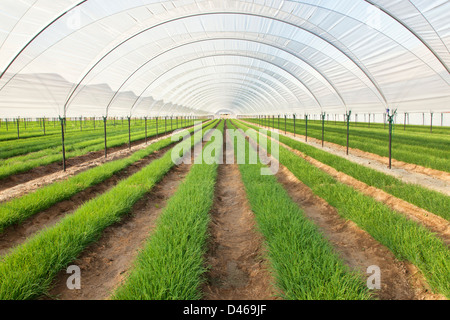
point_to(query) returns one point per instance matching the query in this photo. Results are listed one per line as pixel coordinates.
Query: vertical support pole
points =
(278, 122)
(157, 128)
(25, 123)
(306, 126)
(146, 131)
(294, 124)
(348, 130)
(18, 128)
(285, 124)
(404, 126)
(43, 123)
(7, 129)
(94, 123)
(171, 123)
(390, 143)
(369, 120)
(384, 120)
(323, 115)
(63, 144)
(81, 123)
(431, 125)
(129, 132)
(106, 145)
(442, 119)
(165, 124)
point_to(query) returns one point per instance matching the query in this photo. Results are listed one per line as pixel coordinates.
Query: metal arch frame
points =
(370, 2)
(232, 95)
(243, 104)
(199, 68)
(228, 82)
(367, 74)
(334, 90)
(248, 94)
(189, 100)
(392, 16)
(314, 98)
(37, 35)
(257, 69)
(360, 67)
(246, 104)
(261, 85)
(268, 74)
(213, 39)
(279, 84)
(231, 13)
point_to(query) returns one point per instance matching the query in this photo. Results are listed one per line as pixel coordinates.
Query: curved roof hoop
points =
(247, 94)
(368, 1)
(207, 86)
(437, 56)
(336, 92)
(232, 55)
(270, 90)
(247, 67)
(358, 65)
(246, 104)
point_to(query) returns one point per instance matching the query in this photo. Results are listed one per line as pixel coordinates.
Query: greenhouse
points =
(204, 150)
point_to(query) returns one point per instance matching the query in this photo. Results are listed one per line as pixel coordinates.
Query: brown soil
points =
(410, 173)
(436, 224)
(105, 264)
(44, 175)
(15, 235)
(238, 269)
(400, 280)
(33, 185)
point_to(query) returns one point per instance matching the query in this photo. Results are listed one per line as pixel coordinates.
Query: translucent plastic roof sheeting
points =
(137, 57)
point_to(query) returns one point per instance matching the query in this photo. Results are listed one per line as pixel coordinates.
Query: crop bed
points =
(141, 226)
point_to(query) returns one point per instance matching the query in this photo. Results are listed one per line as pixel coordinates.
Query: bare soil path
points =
(238, 269)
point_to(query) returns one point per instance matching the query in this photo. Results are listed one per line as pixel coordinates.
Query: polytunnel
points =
(147, 58)
(230, 150)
